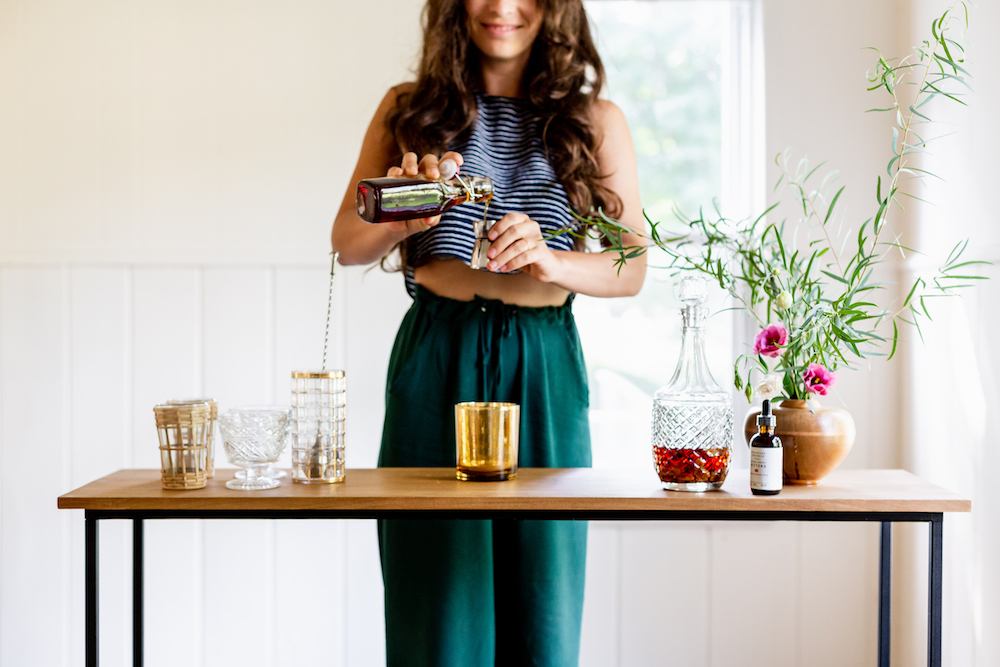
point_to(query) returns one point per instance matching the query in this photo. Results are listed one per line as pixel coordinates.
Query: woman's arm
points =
(357, 241)
(517, 241)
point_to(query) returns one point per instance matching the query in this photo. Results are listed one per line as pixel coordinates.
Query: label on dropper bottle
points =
(765, 468)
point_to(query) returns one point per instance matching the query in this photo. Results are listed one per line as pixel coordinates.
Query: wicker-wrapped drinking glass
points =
(183, 433)
(213, 413)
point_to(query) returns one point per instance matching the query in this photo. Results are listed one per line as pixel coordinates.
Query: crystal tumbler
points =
(319, 405)
(253, 437)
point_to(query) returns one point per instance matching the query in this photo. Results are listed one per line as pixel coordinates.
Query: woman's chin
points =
(501, 48)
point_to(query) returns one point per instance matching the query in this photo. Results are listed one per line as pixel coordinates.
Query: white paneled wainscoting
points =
(87, 350)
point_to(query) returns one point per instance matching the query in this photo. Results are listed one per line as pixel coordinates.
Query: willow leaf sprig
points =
(810, 285)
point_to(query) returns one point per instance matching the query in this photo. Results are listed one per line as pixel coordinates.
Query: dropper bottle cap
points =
(765, 418)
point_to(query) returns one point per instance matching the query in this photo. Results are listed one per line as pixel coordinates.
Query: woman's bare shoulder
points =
(607, 116)
(405, 87)
(392, 96)
(401, 89)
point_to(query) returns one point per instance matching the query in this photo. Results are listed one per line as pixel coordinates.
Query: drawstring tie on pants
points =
(495, 328)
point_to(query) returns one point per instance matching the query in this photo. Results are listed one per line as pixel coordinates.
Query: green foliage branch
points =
(825, 294)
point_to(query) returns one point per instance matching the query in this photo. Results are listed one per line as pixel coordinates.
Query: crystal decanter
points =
(692, 430)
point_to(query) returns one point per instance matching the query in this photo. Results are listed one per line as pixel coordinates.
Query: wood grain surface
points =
(534, 489)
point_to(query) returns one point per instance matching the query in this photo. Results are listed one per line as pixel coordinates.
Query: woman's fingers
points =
(517, 255)
(514, 239)
(413, 226)
(429, 166)
(410, 165)
(452, 155)
(501, 226)
(450, 164)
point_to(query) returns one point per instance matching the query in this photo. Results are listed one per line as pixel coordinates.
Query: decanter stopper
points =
(693, 292)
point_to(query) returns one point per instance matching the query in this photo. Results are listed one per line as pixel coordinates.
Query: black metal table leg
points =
(137, 601)
(885, 595)
(90, 587)
(935, 588)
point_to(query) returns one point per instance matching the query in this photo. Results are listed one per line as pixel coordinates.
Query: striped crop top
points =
(505, 145)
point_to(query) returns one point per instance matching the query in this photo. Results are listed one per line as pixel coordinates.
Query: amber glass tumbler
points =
(486, 436)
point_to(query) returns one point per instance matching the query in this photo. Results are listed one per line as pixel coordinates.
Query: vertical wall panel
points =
(311, 565)
(35, 545)
(3, 504)
(665, 575)
(310, 609)
(376, 303)
(839, 571)
(238, 586)
(167, 363)
(101, 372)
(239, 339)
(300, 298)
(101, 401)
(167, 349)
(365, 630)
(600, 641)
(754, 614)
(238, 592)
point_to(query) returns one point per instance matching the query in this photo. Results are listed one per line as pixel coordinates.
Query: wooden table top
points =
(534, 489)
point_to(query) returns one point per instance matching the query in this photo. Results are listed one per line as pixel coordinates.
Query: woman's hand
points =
(516, 242)
(429, 166)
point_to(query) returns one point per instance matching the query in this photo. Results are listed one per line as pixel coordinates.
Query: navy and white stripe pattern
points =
(506, 146)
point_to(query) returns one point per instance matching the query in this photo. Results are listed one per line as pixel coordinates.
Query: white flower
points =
(768, 387)
(783, 300)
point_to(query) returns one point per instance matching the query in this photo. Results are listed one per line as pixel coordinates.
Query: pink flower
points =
(818, 379)
(769, 340)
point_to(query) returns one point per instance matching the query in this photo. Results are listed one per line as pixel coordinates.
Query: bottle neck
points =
(464, 189)
(692, 373)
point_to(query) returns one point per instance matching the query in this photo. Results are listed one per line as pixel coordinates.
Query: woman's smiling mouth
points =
(499, 29)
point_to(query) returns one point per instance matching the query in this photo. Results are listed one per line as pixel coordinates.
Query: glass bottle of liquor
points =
(692, 430)
(404, 198)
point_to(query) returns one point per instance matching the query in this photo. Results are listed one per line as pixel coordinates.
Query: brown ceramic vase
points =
(814, 441)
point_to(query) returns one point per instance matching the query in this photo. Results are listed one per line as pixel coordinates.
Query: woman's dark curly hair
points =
(564, 77)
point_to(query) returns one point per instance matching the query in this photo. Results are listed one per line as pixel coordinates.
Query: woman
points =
(509, 89)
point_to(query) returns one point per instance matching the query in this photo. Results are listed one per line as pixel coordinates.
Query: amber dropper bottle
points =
(765, 455)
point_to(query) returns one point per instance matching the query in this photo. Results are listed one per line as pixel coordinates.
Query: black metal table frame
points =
(935, 521)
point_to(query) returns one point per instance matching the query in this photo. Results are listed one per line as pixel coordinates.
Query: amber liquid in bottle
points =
(399, 198)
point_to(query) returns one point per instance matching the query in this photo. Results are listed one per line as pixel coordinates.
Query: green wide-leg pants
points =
(479, 593)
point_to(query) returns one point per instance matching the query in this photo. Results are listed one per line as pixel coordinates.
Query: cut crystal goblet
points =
(254, 438)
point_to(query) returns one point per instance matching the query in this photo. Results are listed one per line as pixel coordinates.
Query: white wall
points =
(950, 406)
(168, 173)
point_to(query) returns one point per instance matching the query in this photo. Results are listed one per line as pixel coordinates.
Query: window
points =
(676, 68)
